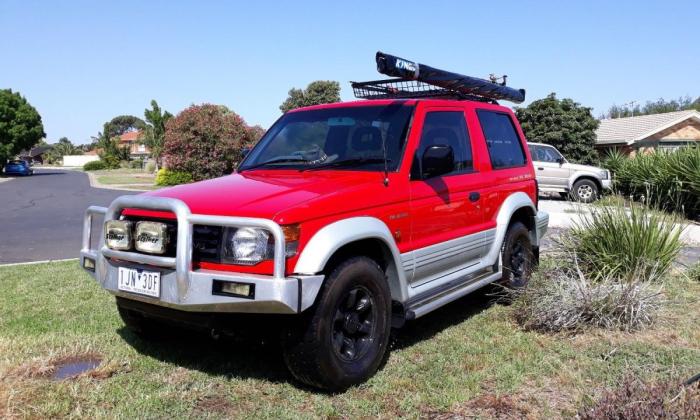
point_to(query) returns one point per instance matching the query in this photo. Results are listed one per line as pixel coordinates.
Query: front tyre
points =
(518, 257)
(344, 338)
(585, 191)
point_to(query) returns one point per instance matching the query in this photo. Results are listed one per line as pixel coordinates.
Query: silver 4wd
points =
(583, 183)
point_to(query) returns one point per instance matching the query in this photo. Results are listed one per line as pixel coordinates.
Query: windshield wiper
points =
(273, 161)
(345, 162)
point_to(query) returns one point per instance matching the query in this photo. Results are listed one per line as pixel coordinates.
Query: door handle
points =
(474, 196)
(540, 169)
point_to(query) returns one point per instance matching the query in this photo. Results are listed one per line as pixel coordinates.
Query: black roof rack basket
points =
(414, 80)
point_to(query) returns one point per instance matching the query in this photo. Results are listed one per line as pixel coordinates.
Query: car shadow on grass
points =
(245, 358)
(253, 356)
(429, 325)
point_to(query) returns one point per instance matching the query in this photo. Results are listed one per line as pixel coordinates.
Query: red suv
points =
(354, 217)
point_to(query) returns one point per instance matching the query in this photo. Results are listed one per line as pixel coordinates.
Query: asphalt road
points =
(41, 216)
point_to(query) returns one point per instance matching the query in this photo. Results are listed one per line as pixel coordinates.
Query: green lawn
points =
(124, 176)
(467, 358)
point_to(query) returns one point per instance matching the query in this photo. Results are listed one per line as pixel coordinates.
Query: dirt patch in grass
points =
(212, 404)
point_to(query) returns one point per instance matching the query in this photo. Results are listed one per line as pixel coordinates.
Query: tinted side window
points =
(502, 140)
(446, 128)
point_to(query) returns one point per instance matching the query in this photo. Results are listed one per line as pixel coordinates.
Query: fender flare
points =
(585, 174)
(332, 237)
(513, 203)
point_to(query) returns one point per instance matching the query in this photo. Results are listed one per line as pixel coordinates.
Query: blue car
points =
(18, 167)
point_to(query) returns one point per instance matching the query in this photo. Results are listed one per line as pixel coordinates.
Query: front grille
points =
(206, 240)
(206, 244)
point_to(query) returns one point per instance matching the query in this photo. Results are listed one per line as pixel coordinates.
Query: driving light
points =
(247, 245)
(151, 237)
(118, 234)
(228, 288)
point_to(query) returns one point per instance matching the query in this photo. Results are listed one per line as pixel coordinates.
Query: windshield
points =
(334, 138)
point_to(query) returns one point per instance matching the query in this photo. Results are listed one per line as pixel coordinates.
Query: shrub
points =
(166, 177)
(565, 299)
(136, 164)
(204, 141)
(668, 180)
(613, 160)
(95, 165)
(693, 272)
(111, 162)
(615, 241)
(635, 399)
(150, 167)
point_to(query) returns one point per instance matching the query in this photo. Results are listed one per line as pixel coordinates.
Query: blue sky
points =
(81, 63)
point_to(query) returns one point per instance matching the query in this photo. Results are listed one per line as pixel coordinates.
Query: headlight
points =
(247, 245)
(118, 234)
(605, 174)
(151, 237)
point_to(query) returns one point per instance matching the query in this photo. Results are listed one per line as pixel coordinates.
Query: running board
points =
(442, 297)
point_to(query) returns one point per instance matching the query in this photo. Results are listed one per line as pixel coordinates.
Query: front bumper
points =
(606, 184)
(193, 290)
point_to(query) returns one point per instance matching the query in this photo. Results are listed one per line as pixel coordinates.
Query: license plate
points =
(139, 281)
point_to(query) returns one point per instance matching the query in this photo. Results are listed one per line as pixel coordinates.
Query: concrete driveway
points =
(41, 215)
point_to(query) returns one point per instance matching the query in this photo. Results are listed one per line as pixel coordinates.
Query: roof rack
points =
(414, 80)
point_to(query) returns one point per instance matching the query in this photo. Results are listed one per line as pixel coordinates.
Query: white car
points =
(554, 173)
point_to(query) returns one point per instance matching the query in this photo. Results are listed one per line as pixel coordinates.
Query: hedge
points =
(95, 165)
(165, 177)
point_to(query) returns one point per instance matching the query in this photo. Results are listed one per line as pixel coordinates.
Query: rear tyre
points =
(342, 341)
(518, 257)
(585, 191)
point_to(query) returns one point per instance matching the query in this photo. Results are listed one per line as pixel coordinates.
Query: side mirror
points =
(561, 161)
(245, 151)
(437, 160)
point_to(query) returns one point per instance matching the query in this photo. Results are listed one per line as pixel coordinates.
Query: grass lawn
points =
(467, 358)
(124, 177)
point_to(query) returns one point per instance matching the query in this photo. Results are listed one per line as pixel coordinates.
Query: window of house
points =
(505, 148)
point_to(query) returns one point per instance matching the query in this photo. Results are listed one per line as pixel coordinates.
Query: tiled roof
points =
(129, 136)
(630, 129)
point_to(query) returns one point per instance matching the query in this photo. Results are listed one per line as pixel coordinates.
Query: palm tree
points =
(153, 136)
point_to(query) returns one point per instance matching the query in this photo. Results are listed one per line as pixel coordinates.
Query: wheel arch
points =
(589, 177)
(517, 207)
(365, 236)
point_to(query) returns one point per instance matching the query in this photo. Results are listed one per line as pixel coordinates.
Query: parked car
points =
(583, 183)
(18, 167)
(345, 220)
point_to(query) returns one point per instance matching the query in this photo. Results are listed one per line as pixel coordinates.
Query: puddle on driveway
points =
(74, 367)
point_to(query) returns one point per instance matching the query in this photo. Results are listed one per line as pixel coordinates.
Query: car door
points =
(549, 170)
(445, 210)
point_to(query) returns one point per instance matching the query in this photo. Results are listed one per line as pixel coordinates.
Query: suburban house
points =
(35, 155)
(665, 131)
(136, 149)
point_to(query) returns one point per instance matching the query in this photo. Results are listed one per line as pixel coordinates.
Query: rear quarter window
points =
(502, 140)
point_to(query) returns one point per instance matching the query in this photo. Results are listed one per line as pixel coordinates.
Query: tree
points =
(255, 133)
(318, 92)
(656, 107)
(564, 124)
(121, 124)
(153, 136)
(61, 148)
(204, 141)
(20, 125)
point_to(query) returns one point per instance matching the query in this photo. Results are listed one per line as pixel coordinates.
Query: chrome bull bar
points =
(182, 263)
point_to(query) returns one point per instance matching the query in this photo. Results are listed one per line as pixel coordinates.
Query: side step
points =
(425, 303)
